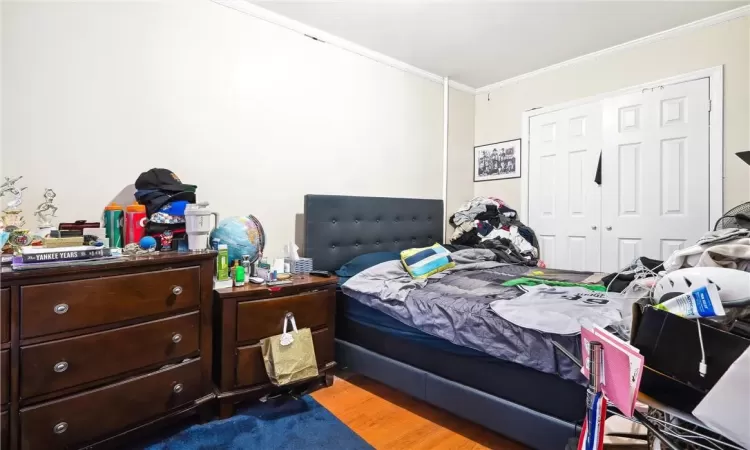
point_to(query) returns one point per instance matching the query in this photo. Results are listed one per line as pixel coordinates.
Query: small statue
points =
(43, 210)
(10, 186)
(166, 240)
(11, 217)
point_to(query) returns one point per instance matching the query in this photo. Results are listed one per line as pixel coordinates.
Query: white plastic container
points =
(198, 225)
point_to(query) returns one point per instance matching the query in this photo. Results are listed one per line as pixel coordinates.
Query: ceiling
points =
(479, 42)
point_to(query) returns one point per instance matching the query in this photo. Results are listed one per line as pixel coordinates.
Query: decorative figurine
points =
(43, 210)
(166, 240)
(10, 186)
(12, 221)
(11, 218)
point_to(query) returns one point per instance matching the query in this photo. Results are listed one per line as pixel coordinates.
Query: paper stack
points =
(623, 367)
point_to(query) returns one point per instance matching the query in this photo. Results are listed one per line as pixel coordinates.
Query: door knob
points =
(609, 228)
(593, 227)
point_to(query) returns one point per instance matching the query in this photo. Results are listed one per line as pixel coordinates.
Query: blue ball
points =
(147, 243)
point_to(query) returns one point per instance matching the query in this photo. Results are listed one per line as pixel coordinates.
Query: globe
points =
(243, 235)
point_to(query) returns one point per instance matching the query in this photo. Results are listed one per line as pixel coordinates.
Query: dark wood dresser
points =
(97, 355)
(247, 314)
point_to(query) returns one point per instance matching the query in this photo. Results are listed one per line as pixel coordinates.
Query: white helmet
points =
(733, 285)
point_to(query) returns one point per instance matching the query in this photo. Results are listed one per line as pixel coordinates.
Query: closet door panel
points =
(655, 175)
(564, 200)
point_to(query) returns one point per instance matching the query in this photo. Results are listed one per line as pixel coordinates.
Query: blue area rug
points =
(291, 424)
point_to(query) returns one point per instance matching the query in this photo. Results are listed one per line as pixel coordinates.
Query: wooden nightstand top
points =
(299, 283)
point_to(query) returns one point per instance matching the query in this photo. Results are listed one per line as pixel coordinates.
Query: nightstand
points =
(245, 315)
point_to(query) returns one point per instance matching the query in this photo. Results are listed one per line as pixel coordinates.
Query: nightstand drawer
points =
(4, 315)
(72, 421)
(55, 307)
(4, 376)
(68, 362)
(250, 367)
(260, 319)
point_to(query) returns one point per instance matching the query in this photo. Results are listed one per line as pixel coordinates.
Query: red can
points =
(135, 223)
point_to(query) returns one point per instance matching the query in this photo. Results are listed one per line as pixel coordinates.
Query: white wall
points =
(257, 116)
(499, 118)
(460, 151)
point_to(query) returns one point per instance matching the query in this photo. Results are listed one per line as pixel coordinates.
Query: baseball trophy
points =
(46, 210)
(12, 222)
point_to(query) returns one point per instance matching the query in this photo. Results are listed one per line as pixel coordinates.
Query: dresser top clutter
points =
(298, 282)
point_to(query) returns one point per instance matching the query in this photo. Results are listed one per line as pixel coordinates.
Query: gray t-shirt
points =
(561, 310)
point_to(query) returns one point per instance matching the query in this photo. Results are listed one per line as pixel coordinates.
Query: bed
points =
(535, 408)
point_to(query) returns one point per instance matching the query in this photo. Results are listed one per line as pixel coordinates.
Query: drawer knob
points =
(62, 308)
(60, 367)
(61, 428)
(177, 388)
(177, 290)
(177, 337)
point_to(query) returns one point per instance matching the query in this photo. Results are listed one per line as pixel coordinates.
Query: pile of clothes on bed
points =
(487, 222)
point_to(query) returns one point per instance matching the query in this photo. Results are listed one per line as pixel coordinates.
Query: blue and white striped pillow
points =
(423, 262)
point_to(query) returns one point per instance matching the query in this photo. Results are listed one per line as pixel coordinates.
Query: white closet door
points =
(564, 200)
(655, 175)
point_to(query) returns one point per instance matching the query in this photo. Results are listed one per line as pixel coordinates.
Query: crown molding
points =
(461, 87)
(672, 32)
(260, 13)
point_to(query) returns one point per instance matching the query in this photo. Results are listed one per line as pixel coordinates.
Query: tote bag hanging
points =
(290, 356)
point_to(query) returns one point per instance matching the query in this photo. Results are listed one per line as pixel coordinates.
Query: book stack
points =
(42, 257)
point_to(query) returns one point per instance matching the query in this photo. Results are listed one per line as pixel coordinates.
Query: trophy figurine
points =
(11, 218)
(46, 210)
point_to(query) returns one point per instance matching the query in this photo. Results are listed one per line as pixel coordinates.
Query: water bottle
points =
(113, 224)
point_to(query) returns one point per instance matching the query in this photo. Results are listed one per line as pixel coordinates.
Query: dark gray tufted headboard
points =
(339, 227)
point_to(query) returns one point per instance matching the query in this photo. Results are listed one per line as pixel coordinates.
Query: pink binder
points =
(623, 367)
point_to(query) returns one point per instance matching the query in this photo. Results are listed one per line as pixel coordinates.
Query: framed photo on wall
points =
(498, 161)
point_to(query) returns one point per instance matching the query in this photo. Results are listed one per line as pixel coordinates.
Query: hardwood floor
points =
(388, 419)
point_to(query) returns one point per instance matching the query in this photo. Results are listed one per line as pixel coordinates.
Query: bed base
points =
(524, 425)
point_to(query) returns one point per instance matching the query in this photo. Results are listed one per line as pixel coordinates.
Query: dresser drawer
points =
(260, 319)
(55, 307)
(78, 419)
(4, 315)
(59, 364)
(4, 376)
(250, 367)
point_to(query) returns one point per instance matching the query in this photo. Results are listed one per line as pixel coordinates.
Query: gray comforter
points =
(454, 305)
